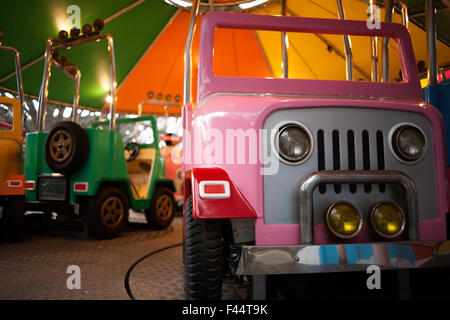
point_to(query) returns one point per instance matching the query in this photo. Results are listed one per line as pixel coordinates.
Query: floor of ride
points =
(37, 267)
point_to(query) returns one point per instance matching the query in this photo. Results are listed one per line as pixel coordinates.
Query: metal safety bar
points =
(61, 45)
(305, 197)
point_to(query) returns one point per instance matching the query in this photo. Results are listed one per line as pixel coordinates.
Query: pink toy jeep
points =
(290, 176)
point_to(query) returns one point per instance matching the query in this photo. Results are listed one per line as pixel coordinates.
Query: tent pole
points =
(431, 41)
(347, 44)
(188, 52)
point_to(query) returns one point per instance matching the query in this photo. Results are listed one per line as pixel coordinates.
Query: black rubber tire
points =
(96, 227)
(203, 258)
(80, 148)
(152, 217)
(13, 219)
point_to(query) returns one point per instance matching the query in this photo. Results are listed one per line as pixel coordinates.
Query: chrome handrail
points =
(356, 177)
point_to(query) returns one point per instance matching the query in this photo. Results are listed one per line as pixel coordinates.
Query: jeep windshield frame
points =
(209, 83)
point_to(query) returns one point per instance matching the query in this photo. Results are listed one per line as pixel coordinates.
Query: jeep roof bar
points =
(61, 45)
(18, 67)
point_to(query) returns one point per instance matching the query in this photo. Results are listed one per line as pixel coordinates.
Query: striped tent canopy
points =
(150, 35)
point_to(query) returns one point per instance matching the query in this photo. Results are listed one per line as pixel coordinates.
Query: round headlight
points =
(387, 219)
(293, 143)
(409, 143)
(344, 220)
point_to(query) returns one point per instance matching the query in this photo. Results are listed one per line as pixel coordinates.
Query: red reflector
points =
(80, 186)
(214, 188)
(29, 185)
(14, 183)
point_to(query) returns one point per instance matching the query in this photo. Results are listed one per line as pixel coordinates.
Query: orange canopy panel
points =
(161, 69)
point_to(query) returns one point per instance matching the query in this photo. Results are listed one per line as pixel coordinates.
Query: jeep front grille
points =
(347, 139)
(366, 149)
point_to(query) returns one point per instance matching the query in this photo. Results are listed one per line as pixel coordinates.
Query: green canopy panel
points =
(27, 24)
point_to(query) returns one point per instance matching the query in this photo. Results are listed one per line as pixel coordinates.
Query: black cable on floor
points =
(127, 276)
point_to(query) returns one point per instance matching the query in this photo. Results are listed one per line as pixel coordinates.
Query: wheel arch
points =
(121, 185)
(168, 183)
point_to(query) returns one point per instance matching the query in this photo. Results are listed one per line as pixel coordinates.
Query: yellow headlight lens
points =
(387, 219)
(344, 220)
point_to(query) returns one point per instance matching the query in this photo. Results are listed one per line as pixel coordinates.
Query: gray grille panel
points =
(281, 189)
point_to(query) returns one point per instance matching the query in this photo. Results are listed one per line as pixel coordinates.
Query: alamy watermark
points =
(374, 17)
(74, 280)
(74, 19)
(374, 280)
(238, 146)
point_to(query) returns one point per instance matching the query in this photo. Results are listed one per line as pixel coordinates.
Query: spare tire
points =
(66, 147)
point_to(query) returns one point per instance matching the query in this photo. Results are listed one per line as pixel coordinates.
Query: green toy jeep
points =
(90, 173)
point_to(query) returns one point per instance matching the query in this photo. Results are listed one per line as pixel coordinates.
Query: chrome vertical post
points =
(76, 98)
(112, 110)
(284, 41)
(431, 41)
(43, 94)
(374, 51)
(188, 52)
(387, 18)
(347, 44)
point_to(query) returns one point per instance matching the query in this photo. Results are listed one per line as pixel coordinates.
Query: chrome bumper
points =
(305, 198)
(264, 260)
